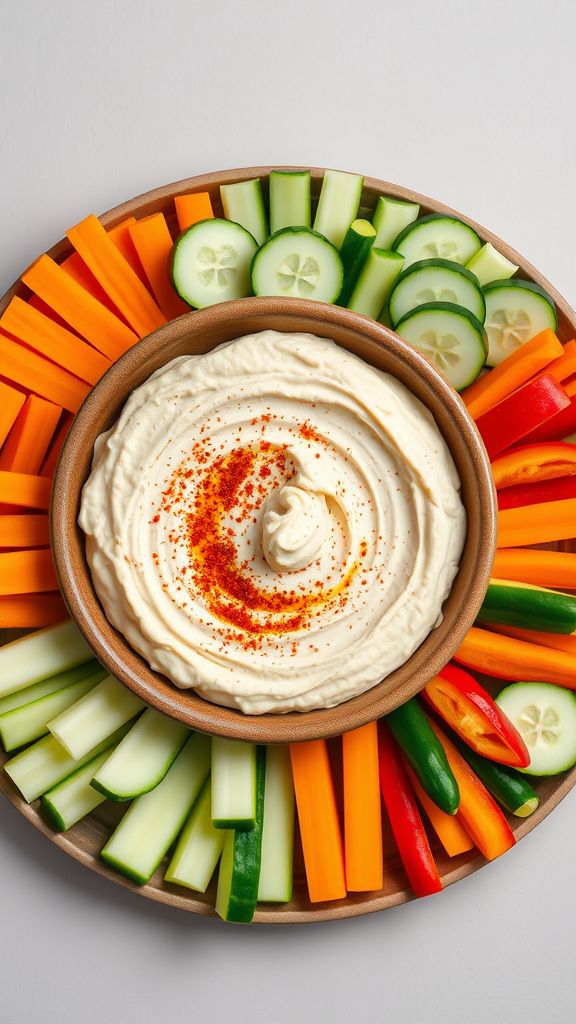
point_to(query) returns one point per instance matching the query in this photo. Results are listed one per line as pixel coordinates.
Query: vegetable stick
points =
(30, 436)
(527, 409)
(557, 641)
(78, 308)
(512, 373)
(537, 493)
(123, 241)
(31, 611)
(556, 428)
(37, 303)
(541, 568)
(565, 365)
(362, 810)
(27, 572)
(570, 387)
(153, 243)
(448, 827)
(24, 489)
(531, 462)
(507, 658)
(24, 531)
(192, 208)
(11, 402)
(116, 276)
(37, 374)
(56, 343)
(537, 524)
(49, 464)
(318, 819)
(77, 269)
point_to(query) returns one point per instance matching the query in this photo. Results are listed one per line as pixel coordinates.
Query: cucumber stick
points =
(94, 717)
(437, 236)
(490, 265)
(39, 655)
(448, 336)
(28, 723)
(50, 685)
(375, 282)
(390, 218)
(545, 716)
(74, 797)
(338, 204)
(423, 750)
(516, 311)
(199, 847)
(239, 874)
(508, 787)
(354, 252)
(243, 203)
(233, 784)
(154, 819)
(530, 607)
(289, 200)
(275, 883)
(141, 761)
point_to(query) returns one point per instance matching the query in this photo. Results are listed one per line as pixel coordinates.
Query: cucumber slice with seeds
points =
(490, 265)
(545, 716)
(448, 336)
(298, 262)
(289, 200)
(338, 204)
(437, 237)
(391, 217)
(436, 281)
(516, 311)
(243, 203)
(211, 262)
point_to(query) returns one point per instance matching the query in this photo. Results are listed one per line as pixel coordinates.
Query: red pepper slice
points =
(407, 825)
(538, 493)
(561, 425)
(471, 712)
(523, 411)
(529, 463)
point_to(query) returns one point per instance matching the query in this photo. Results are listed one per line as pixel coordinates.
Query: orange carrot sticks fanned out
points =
(41, 376)
(31, 611)
(318, 820)
(11, 402)
(49, 464)
(24, 531)
(120, 235)
(362, 809)
(153, 243)
(27, 572)
(78, 270)
(25, 490)
(192, 208)
(30, 436)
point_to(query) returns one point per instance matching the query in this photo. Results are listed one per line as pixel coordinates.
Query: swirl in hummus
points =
(275, 523)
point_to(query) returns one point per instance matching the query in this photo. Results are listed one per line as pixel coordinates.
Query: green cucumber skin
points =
(354, 252)
(122, 798)
(440, 264)
(529, 286)
(247, 855)
(425, 754)
(426, 220)
(543, 610)
(448, 307)
(509, 788)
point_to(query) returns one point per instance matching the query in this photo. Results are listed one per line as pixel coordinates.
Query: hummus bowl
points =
(201, 332)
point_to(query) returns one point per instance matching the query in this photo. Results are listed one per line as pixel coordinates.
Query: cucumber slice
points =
(243, 203)
(289, 200)
(298, 262)
(516, 311)
(437, 237)
(275, 884)
(376, 280)
(355, 250)
(436, 281)
(40, 767)
(199, 847)
(490, 265)
(30, 722)
(239, 874)
(338, 204)
(154, 819)
(50, 685)
(450, 337)
(211, 262)
(507, 786)
(141, 761)
(530, 607)
(233, 784)
(391, 217)
(545, 716)
(74, 798)
(40, 655)
(94, 717)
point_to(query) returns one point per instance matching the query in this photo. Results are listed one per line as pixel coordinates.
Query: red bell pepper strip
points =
(404, 816)
(523, 411)
(561, 425)
(529, 463)
(538, 493)
(466, 706)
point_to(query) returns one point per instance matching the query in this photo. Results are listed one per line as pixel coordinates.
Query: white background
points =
(470, 103)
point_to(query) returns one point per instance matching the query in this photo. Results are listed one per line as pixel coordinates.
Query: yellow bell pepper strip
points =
(525, 410)
(537, 524)
(533, 565)
(514, 371)
(448, 827)
(507, 658)
(533, 463)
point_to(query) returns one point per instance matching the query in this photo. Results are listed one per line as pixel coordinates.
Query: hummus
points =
(275, 524)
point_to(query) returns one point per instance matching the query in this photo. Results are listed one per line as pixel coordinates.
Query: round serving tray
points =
(85, 840)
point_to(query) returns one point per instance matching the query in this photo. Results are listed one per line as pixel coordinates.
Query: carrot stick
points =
(318, 819)
(30, 436)
(478, 812)
(448, 827)
(31, 611)
(565, 365)
(116, 276)
(25, 490)
(77, 269)
(27, 572)
(537, 524)
(362, 810)
(37, 303)
(24, 531)
(557, 641)
(123, 241)
(570, 387)
(541, 568)
(56, 343)
(49, 464)
(512, 373)
(11, 402)
(78, 308)
(153, 243)
(507, 658)
(192, 208)
(37, 374)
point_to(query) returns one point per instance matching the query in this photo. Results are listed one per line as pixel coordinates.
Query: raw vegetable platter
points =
(394, 262)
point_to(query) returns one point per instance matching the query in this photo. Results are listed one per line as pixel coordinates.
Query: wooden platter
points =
(84, 841)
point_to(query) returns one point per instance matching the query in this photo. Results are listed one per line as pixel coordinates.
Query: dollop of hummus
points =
(275, 523)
